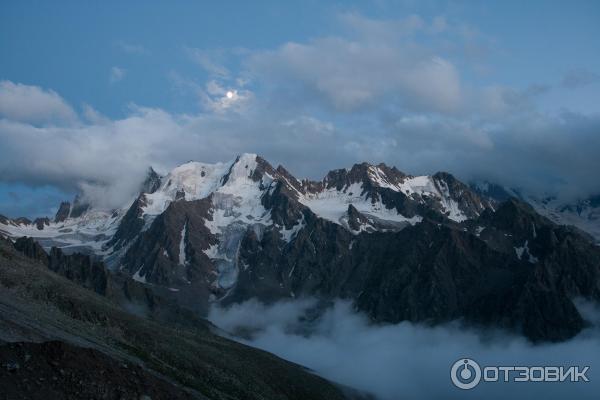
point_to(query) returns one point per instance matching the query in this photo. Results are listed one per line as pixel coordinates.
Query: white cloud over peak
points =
(107, 158)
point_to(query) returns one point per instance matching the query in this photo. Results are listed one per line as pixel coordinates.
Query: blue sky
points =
(94, 93)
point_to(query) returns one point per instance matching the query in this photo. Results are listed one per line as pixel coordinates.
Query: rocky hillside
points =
(130, 356)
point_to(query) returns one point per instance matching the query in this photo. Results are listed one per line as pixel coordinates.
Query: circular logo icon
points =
(465, 373)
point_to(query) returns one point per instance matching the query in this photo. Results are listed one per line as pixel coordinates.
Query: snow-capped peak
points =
(191, 181)
(196, 180)
(242, 168)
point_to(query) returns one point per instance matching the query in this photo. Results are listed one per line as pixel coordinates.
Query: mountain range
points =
(426, 249)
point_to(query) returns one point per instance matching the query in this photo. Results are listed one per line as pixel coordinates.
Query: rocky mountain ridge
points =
(583, 213)
(420, 248)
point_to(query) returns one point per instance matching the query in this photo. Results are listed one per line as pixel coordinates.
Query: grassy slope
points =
(36, 304)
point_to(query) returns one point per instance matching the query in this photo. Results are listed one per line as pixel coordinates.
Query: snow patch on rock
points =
(332, 205)
(182, 257)
(139, 278)
(524, 250)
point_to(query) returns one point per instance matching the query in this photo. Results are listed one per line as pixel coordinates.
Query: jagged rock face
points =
(149, 301)
(356, 220)
(130, 226)
(79, 207)
(568, 258)
(410, 196)
(172, 251)
(63, 212)
(434, 272)
(493, 191)
(467, 201)
(133, 221)
(311, 264)
(582, 213)
(31, 249)
(151, 183)
(282, 201)
(40, 223)
(22, 221)
(79, 268)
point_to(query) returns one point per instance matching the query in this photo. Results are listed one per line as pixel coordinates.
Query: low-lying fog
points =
(408, 360)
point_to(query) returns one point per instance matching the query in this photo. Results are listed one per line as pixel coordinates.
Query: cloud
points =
(207, 60)
(33, 104)
(439, 24)
(117, 74)
(579, 78)
(219, 99)
(405, 65)
(406, 360)
(544, 154)
(540, 154)
(380, 29)
(223, 91)
(352, 76)
(94, 116)
(107, 158)
(131, 48)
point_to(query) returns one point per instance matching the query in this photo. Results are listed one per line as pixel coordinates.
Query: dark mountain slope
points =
(36, 304)
(511, 268)
(57, 370)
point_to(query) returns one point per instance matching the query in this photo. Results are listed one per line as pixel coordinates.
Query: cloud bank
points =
(407, 360)
(393, 91)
